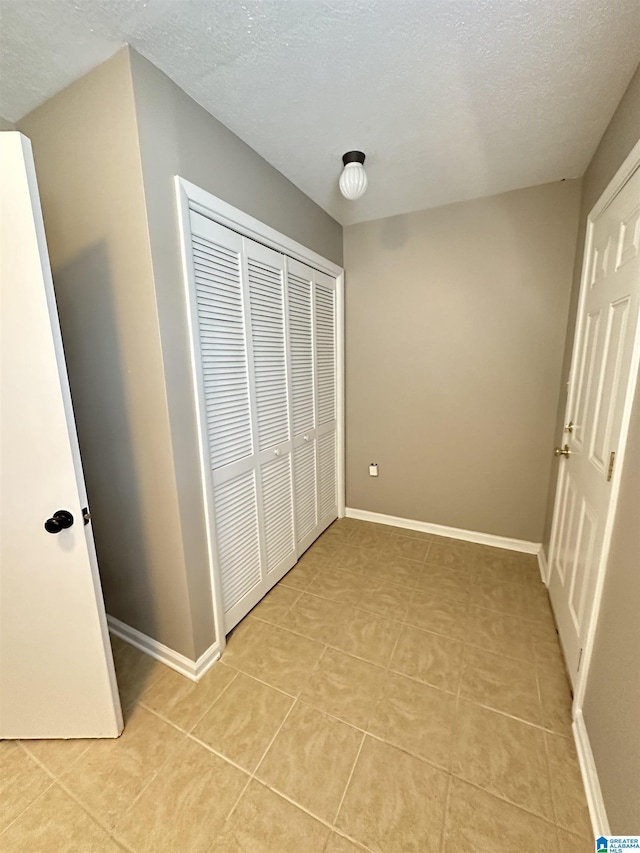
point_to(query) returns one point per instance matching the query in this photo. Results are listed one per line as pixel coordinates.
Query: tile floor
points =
(395, 692)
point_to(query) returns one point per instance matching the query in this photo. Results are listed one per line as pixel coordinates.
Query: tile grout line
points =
(350, 777)
(270, 744)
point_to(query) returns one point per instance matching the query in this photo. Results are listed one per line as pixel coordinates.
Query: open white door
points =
(56, 670)
(603, 376)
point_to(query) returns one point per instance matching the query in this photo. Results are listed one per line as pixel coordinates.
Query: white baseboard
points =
(595, 801)
(452, 532)
(543, 566)
(184, 665)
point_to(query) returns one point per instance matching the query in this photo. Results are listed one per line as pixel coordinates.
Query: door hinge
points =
(612, 459)
(579, 661)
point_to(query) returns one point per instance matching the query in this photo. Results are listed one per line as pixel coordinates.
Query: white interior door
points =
(602, 380)
(56, 670)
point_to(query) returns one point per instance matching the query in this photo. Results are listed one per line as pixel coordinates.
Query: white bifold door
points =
(264, 342)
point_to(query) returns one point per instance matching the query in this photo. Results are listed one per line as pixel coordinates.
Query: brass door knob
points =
(562, 451)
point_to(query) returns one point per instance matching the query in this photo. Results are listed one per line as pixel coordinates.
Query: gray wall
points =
(106, 151)
(88, 165)
(178, 137)
(455, 325)
(612, 699)
(6, 125)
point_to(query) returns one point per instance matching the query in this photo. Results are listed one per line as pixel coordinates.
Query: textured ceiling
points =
(449, 99)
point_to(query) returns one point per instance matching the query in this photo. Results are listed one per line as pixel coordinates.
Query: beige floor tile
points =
(549, 654)
(503, 756)
(570, 843)
(337, 532)
(501, 683)
(403, 546)
(508, 567)
(56, 755)
(311, 759)
(339, 555)
(394, 802)
(399, 571)
(272, 654)
(415, 717)
(557, 700)
(336, 585)
(345, 687)
(443, 583)
(185, 805)
(56, 824)
(316, 618)
(500, 633)
(135, 670)
(340, 844)
(275, 605)
(366, 636)
(526, 602)
(183, 701)
(431, 658)
(567, 790)
(242, 722)
(383, 599)
(478, 821)
(452, 556)
(264, 822)
(111, 773)
(21, 781)
(439, 615)
(301, 575)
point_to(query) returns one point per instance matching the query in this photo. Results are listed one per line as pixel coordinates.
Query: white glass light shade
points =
(353, 181)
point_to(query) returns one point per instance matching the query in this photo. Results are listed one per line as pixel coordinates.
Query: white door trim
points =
(190, 197)
(624, 173)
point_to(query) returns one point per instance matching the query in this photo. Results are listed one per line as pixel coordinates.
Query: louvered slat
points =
(325, 354)
(278, 510)
(237, 537)
(327, 473)
(223, 351)
(301, 349)
(267, 334)
(305, 489)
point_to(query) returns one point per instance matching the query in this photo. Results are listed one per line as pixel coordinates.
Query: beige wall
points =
(455, 324)
(88, 165)
(6, 125)
(178, 137)
(612, 699)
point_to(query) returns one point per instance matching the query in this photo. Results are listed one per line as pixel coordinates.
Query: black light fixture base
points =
(353, 157)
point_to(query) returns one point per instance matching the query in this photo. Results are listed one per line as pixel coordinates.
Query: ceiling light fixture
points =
(353, 180)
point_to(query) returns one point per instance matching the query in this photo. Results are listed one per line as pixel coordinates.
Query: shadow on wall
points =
(89, 328)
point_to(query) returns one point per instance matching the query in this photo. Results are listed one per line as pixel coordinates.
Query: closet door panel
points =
(270, 391)
(237, 537)
(223, 353)
(220, 307)
(326, 396)
(300, 305)
(306, 505)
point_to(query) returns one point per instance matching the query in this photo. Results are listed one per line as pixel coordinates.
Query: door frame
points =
(628, 168)
(190, 197)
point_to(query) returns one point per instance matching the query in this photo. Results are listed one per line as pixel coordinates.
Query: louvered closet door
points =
(326, 397)
(224, 376)
(303, 404)
(265, 294)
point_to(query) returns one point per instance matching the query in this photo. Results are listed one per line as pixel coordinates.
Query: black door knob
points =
(62, 519)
